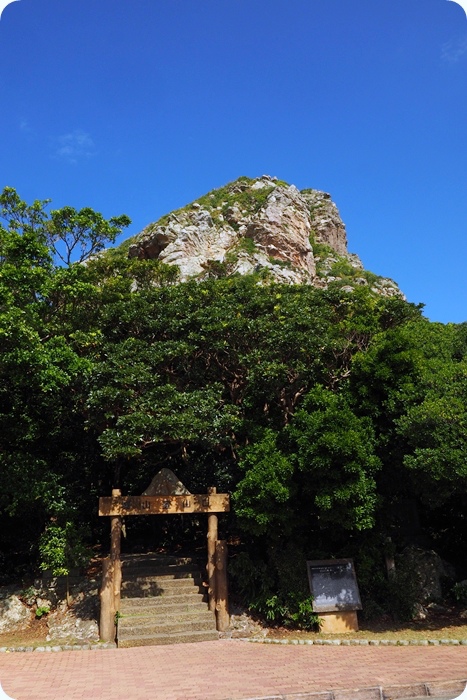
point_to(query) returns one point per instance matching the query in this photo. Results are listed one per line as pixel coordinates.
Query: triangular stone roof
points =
(166, 483)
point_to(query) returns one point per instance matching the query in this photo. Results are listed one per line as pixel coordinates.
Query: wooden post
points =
(115, 546)
(117, 583)
(107, 613)
(115, 530)
(222, 595)
(211, 565)
(111, 580)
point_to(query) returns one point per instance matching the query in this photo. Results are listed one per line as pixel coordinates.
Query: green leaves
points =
(75, 236)
(322, 466)
(335, 455)
(435, 427)
(44, 364)
(267, 485)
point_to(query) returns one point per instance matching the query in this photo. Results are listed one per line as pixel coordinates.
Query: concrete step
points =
(163, 601)
(174, 615)
(165, 583)
(177, 638)
(163, 604)
(136, 560)
(155, 590)
(148, 626)
(187, 571)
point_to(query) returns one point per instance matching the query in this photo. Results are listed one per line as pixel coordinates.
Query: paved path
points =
(221, 670)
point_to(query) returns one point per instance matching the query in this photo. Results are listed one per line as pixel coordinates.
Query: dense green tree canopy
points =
(324, 412)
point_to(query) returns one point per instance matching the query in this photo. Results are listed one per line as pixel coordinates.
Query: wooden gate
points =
(117, 507)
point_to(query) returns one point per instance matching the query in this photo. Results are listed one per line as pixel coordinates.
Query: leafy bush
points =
(459, 592)
(342, 268)
(276, 591)
(62, 548)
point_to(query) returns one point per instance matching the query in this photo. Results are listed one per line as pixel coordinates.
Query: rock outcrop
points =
(264, 226)
(70, 607)
(14, 614)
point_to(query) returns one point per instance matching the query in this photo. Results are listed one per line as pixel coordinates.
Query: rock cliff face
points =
(262, 225)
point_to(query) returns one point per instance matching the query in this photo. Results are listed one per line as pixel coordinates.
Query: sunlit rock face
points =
(261, 225)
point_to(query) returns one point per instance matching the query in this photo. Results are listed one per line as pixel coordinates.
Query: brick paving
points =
(221, 670)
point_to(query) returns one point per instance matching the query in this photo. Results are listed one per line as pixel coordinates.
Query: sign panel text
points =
(163, 505)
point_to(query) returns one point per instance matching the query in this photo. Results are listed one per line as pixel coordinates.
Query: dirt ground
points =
(33, 635)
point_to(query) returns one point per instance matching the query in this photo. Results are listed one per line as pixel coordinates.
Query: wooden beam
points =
(164, 505)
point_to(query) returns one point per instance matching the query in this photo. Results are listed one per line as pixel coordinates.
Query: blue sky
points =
(140, 106)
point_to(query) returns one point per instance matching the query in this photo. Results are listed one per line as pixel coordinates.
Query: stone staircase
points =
(163, 601)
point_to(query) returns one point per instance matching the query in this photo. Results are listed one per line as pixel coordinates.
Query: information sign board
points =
(333, 585)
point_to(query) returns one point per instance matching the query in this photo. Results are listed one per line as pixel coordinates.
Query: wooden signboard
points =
(333, 585)
(164, 505)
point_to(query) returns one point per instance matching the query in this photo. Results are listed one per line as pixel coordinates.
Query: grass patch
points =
(436, 626)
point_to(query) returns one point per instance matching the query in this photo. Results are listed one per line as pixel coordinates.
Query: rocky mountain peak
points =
(261, 225)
